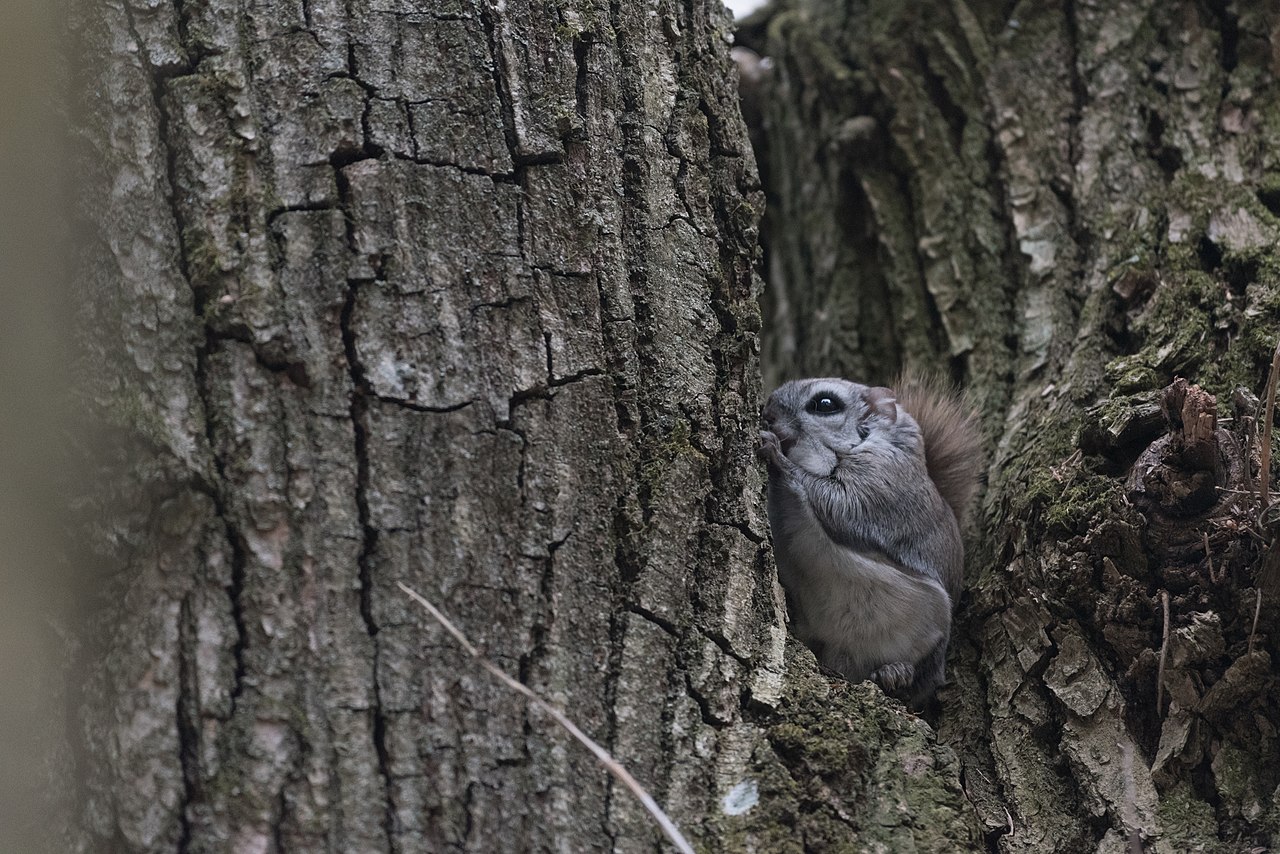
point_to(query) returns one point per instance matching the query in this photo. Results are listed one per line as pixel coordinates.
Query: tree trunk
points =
(1067, 206)
(463, 297)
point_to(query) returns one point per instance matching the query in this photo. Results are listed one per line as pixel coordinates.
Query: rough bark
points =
(1066, 205)
(459, 295)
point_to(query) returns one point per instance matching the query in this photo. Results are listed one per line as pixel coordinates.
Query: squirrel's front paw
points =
(894, 677)
(770, 449)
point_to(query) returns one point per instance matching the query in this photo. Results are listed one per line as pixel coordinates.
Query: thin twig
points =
(1257, 609)
(611, 765)
(1164, 654)
(1231, 491)
(1264, 486)
(1264, 476)
(1208, 556)
(1250, 436)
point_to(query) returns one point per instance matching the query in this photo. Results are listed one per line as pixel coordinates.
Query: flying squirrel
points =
(869, 490)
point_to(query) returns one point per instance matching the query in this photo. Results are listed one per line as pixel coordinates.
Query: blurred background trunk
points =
(1065, 206)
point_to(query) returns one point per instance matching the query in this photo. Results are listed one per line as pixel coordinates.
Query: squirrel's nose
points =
(781, 423)
(771, 414)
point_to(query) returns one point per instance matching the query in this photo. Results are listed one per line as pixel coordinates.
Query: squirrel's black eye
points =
(825, 404)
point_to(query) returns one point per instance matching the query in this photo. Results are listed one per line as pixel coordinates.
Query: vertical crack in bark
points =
(1010, 262)
(671, 142)
(633, 420)
(871, 316)
(360, 393)
(501, 82)
(180, 18)
(277, 826)
(235, 541)
(411, 124)
(1079, 95)
(613, 673)
(935, 330)
(581, 92)
(934, 86)
(506, 107)
(187, 712)
(1228, 47)
(468, 817)
(545, 619)
(188, 719)
(984, 755)
(367, 145)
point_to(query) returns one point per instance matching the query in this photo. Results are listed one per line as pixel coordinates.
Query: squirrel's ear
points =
(883, 402)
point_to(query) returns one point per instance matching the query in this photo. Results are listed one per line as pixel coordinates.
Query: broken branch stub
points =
(1179, 474)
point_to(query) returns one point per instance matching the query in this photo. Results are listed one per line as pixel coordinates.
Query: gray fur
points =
(867, 548)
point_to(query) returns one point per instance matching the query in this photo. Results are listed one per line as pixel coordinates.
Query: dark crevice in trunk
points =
(1270, 199)
(613, 673)
(631, 412)
(1010, 263)
(277, 823)
(193, 52)
(235, 540)
(1166, 156)
(1209, 254)
(708, 716)
(935, 87)
(875, 315)
(1079, 97)
(360, 394)
(1229, 37)
(188, 718)
(501, 87)
(205, 347)
(581, 52)
(546, 615)
(936, 331)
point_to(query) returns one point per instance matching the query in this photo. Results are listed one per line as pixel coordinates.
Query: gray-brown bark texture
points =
(1067, 205)
(458, 294)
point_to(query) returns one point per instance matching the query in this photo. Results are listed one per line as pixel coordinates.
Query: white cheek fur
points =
(813, 456)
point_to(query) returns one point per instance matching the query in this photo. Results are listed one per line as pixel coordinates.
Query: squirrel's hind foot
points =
(894, 677)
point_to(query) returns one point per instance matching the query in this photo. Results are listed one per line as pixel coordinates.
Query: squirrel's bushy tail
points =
(952, 440)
